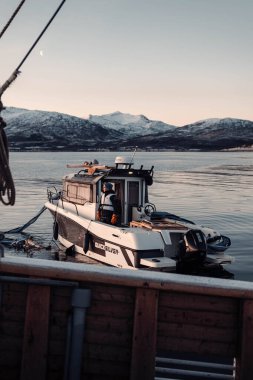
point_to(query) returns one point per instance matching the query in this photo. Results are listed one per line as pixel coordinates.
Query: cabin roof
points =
(88, 177)
(84, 178)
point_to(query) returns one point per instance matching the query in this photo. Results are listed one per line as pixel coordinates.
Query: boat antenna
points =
(132, 158)
(11, 19)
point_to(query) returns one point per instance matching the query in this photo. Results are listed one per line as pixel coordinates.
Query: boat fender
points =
(55, 230)
(86, 241)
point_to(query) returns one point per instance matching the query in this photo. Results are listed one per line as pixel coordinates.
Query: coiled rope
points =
(7, 188)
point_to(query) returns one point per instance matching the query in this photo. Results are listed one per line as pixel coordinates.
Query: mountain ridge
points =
(44, 130)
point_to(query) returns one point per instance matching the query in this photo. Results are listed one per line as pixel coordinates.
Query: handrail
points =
(125, 277)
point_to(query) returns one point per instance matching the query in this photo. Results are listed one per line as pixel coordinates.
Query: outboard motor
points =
(192, 252)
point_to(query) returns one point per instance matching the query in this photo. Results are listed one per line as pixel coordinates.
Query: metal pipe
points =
(37, 281)
(196, 374)
(195, 363)
(80, 302)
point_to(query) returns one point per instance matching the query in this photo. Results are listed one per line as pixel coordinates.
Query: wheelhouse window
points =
(133, 193)
(78, 193)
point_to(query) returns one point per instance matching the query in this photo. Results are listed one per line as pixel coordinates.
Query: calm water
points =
(213, 189)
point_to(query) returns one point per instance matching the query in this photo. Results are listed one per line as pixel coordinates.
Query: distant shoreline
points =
(131, 150)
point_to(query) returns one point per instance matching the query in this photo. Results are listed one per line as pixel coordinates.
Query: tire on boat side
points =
(87, 241)
(55, 230)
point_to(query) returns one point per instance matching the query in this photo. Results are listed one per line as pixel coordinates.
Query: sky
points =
(177, 61)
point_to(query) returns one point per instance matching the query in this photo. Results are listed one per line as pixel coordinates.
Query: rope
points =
(39, 37)
(27, 224)
(7, 188)
(11, 19)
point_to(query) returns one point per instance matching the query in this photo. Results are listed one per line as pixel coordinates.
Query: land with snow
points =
(42, 130)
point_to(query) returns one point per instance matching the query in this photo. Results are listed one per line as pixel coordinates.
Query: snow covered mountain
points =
(131, 125)
(209, 134)
(44, 130)
(233, 127)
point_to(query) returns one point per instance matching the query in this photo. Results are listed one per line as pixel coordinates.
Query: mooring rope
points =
(27, 224)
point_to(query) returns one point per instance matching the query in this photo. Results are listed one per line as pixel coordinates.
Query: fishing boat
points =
(143, 237)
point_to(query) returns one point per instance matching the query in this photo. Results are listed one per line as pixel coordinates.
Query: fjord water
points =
(210, 188)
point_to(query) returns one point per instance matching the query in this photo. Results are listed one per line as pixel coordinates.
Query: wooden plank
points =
(34, 360)
(116, 339)
(13, 297)
(212, 334)
(9, 359)
(113, 294)
(194, 317)
(10, 343)
(197, 346)
(245, 360)
(100, 323)
(93, 369)
(144, 334)
(12, 328)
(110, 309)
(198, 302)
(108, 353)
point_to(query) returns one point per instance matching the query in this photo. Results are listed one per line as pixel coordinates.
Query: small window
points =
(133, 193)
(78, 193)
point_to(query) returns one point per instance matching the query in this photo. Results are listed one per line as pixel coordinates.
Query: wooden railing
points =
(128, 318)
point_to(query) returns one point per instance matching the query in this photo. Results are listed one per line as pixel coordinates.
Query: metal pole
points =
(74, 349)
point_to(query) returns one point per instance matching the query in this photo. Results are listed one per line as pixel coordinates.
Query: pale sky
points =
(178, 61)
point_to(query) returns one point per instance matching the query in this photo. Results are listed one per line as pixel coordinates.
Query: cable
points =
(11, 19)
(41, 34)
(17, 71)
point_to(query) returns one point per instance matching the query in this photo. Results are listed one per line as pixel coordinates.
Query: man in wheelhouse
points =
(107, 211)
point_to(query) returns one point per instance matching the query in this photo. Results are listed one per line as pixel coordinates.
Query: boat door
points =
(133, 198)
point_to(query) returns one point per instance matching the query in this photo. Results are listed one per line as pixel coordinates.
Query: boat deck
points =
(159, 225)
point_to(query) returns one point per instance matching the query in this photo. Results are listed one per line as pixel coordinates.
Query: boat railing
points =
(75, 198)
(53, 194)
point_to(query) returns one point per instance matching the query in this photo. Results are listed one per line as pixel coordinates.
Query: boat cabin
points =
(130, 185)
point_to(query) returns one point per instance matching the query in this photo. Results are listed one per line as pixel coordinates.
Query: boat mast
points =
(132, 158)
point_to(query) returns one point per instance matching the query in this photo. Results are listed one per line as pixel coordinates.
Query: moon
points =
(41, 53)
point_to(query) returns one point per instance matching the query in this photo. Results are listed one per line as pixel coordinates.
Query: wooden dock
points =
(71, 321)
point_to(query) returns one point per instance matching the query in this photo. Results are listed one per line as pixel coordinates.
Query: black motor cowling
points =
(192, 251)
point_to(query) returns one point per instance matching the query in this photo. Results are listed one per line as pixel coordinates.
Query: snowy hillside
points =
(131, 125)
(233, 127)
(53, 130)
(44, 130)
